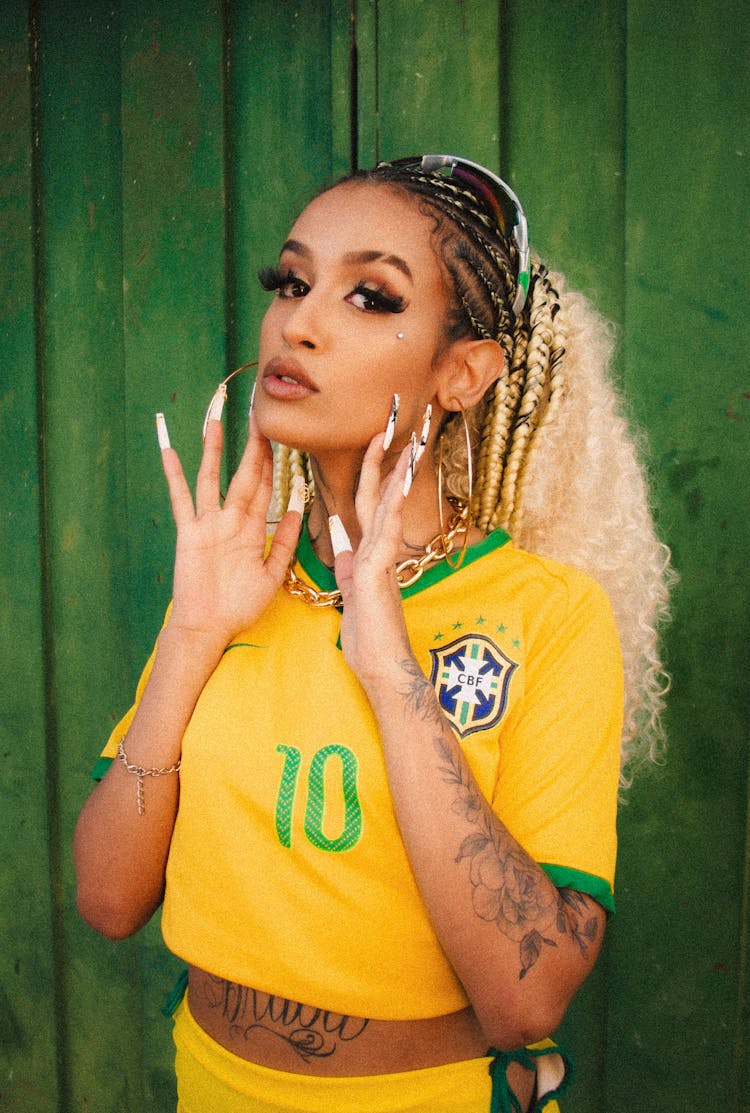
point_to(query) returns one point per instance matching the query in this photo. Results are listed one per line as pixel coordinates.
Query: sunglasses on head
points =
(496, 194)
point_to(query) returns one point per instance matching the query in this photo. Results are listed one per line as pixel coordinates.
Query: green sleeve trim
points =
(596, 887)
(101, 767)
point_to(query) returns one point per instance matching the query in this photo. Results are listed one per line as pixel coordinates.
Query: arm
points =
(520, 947)
(222, 582)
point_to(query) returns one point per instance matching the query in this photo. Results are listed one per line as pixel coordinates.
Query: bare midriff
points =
(285, 1035)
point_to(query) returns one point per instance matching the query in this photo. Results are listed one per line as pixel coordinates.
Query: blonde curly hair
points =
(548, 440)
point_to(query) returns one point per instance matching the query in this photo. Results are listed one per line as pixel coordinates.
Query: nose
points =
(303, 323)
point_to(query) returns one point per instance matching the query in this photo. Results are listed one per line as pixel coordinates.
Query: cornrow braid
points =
(480, 265)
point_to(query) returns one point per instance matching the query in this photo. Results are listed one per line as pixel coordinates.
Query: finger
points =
(284, 544)
(343, 569)
(393, 494)
(386, 530)
(343, 557)
(207, 486)
(250, 481)
(370, 478)
(180, 497)
(179, 493)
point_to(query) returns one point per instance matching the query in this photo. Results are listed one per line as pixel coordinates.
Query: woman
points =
(399, 749)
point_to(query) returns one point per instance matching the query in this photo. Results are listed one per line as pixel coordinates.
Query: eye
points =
(286, 283)
(375, 300)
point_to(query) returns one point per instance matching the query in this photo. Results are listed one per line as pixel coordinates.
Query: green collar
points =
(324, 579)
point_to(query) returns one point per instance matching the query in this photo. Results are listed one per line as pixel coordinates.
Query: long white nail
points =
(340, 542)
(297, 495)
(409, 477)
(215, 406)
(252, 397)
(424, 434)
(390, 428)
(161, 432)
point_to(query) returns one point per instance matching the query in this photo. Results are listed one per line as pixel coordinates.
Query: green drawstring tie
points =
(169, 1008)
(503, 1098)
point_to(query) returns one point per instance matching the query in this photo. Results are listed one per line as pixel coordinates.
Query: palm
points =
(223, 577)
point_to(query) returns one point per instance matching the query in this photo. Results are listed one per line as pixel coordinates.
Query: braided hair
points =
(548, 437)
(481, 266)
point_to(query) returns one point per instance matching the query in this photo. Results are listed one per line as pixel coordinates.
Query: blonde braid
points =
(533, 402)
(495, 433)
(287, 463)
(521, 401)
(555, 391)
(280, 490)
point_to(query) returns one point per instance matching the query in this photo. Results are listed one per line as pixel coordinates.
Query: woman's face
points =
(357, 315)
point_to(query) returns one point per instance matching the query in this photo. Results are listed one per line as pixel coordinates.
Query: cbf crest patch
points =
(471, 677)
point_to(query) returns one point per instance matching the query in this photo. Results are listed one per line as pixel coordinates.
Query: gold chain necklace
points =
(407, 573)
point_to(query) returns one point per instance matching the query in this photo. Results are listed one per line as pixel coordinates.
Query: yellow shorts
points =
(211, 1079)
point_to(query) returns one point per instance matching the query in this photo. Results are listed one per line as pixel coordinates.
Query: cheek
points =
(267, 328)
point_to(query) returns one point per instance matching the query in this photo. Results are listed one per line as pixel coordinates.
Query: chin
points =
(282, 428)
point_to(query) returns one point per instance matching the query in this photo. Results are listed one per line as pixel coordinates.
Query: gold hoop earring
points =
(470, 474)
(219, 397)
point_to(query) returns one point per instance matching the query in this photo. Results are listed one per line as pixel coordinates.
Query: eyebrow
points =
(352, 258)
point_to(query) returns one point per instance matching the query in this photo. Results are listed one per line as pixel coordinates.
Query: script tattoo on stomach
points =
(310, 1032)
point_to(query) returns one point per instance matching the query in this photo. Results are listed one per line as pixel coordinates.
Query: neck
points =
(336, 487)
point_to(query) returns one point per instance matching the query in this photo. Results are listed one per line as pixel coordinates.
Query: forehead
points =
(364, 216)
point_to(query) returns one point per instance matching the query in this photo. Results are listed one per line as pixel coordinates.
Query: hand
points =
(223, 580)
(373, 632)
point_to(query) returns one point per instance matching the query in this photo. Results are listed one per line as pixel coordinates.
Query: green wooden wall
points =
(151, 157)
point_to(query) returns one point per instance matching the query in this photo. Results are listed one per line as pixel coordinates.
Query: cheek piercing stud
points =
(390, 428)
(399, 336)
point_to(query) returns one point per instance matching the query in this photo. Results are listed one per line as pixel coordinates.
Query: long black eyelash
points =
(386, 302)
(271, 278)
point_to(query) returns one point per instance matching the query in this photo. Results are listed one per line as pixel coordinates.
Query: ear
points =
(470, 369)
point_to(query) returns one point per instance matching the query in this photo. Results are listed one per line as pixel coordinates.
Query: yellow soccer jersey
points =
(287, 871)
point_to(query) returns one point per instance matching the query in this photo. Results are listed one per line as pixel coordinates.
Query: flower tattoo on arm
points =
(505, 886)
(504, 880)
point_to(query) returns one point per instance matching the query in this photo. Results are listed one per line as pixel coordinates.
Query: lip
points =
(284, 377)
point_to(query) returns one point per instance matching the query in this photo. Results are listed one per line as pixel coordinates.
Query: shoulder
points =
(543, 582)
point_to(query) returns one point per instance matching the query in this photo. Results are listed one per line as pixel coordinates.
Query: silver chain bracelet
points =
(140, 771)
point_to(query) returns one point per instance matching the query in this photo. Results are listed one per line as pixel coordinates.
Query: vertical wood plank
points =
(175, 320)
(80, 316)
(173, 265)
(681, 944)
(436, 86)
(563, 129)
(28, 985)
(280, 104)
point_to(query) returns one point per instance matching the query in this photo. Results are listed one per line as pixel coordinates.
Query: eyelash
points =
(274, 279)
